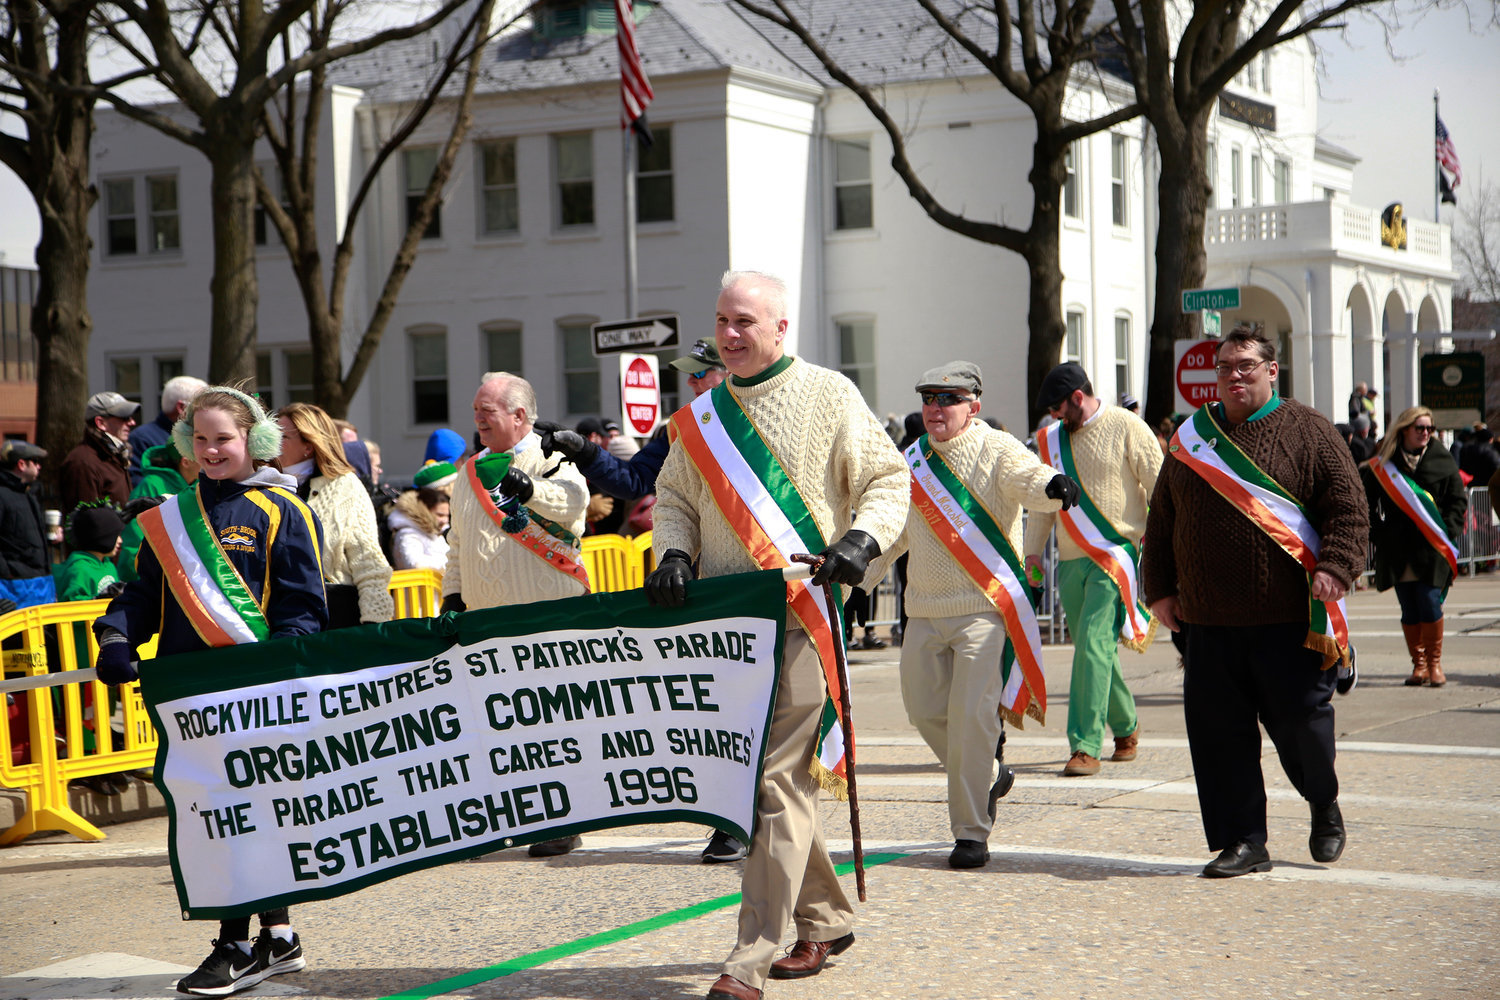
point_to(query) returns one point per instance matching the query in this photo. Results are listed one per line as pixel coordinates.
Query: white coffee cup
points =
(54, 518)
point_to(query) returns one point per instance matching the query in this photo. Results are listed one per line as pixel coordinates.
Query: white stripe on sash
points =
(198, 576)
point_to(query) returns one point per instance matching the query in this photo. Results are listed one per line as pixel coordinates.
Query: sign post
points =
(1193, 374)
(646, 334)
(640, 393)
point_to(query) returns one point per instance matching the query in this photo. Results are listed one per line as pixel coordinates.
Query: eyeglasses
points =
(1423, 428)
(944, 399)
(1242, 369)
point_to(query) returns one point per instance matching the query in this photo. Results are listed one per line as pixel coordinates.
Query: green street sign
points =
(1199, 299)
(1211, 324)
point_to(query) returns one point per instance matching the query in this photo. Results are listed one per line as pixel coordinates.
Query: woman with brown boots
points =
(1417, 506)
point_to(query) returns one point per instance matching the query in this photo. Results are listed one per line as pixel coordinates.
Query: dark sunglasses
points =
(702, 374)
(944, 399)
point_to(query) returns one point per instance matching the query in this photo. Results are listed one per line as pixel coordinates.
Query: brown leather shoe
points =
(1125, 746)
(806, 958)
(730, 988)
(1081, 764)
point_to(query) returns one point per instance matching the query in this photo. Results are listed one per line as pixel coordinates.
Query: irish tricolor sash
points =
(1417, 504)
(981, 549)
(1101, 541)
(761, 503)
(198, 572)
(1202, 445)
(558, 552)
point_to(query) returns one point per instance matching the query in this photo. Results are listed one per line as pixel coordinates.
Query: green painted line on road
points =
(530, 961)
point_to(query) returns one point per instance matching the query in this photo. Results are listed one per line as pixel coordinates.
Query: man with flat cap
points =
(1114, 457)
(98, 466)
(971, 652)
(25, 569)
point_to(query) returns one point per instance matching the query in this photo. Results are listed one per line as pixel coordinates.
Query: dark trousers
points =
(238, 928)
(1237, 676)
(1420, 602)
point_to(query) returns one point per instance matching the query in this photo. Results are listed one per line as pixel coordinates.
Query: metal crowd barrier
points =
(1478, 545)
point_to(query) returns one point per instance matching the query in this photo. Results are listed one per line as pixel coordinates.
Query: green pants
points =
(1097, 696)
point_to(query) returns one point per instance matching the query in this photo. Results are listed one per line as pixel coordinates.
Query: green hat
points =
(435, 474)
(492, 468)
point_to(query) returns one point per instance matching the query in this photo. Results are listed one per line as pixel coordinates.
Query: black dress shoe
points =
(1239, 858)
(999, 789)
(1326, 842)
(969, 854)
(554, 848)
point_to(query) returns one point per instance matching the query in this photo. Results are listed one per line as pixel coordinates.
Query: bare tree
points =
(226, 91)
(1476, 242)
(1035, 49)
(292, 122)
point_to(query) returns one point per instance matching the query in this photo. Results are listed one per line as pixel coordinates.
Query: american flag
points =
(1446, 154)
(635, 89)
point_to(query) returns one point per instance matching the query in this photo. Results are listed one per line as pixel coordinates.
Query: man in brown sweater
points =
(1243, 602)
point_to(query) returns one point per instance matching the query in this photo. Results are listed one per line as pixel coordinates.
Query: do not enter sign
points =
(1196, 382)
(640, 393)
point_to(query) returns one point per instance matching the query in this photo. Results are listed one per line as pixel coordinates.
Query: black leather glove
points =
(135, 508)
(113, 664)
(846, 560)
(1064, 489)
(517, 484)
(574, 446)
(667, 585)
(454, 603)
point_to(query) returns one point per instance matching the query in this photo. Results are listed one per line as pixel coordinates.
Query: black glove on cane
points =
(517, 484)
(846, 560)
(113, 664)
(454, 603)
(574, 446)
(1064, 489)
(667, 585)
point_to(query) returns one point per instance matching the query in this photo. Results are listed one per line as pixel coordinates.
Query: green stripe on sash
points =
(1095, 517)
(220, 570)
(1240, 463)
(973, 508)
(767, 467)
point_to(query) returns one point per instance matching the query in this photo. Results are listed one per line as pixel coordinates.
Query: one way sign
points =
(634, 335)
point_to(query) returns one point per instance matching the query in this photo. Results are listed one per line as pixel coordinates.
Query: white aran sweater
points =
(843, 463)
(351, 543)
(488, 567)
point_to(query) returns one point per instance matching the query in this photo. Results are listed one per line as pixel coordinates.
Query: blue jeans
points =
(1420, 602)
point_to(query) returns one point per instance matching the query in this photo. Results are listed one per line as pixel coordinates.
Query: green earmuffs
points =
(263, 442)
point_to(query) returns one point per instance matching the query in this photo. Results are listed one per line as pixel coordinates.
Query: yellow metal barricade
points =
(645, 562)
(417, 592)
(609, 560)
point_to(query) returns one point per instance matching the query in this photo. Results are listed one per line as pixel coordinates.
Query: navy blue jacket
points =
(632, 479)
(145, 437)
(291, 544)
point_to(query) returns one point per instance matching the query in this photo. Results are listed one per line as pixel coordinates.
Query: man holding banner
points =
(1115, 458)
(772, 463)
(972, 651)
(1258, 526)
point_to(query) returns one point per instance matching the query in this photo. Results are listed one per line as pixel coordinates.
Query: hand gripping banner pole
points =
(846, 711)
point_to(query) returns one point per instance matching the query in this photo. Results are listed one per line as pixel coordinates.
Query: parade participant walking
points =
(971, 653)
(1417, 506)
(1115, 458)
(807, 432)
(356, 576)
(515, 520)
(234, 559)
(1258, 526)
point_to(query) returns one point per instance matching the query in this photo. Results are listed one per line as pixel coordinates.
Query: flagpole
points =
(629, 201)
(1437, 180)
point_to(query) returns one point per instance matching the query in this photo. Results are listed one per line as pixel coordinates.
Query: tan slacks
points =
(788, 874)
(951, 686)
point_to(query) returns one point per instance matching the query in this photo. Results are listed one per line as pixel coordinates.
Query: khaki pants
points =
(951, 686)
(788, 874)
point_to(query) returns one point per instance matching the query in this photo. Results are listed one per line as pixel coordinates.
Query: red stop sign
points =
(1196, 381)
(641, 396)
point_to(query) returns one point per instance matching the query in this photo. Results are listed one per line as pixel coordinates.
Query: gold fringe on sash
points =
(833, 784)
(1144, 644)
(1033, 709)
(1329, 647)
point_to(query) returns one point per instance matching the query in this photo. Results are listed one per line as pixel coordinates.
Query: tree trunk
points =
(231, 154)
(1043, 254)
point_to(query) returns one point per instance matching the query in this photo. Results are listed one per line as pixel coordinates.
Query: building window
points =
(498, 192)
(165, 228)
(429, 376)
(1072, 349)
(119, 217)
(580, 368)
(857, 354)
(125, 376)
(1071, 207)
(573, 164)
(1236, 188)
(264, 380)
(1122, 353)
(1117, 179)
(121, 222)
(1255, 179)
(1251, 75)
(853, 206)
(1283, 182)
(1265, 72)
(1211, 168)
(653, 178)
(299, 376)
(419, 165)
(502, 348)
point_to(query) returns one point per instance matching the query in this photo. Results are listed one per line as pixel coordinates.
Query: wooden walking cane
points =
(847, 714)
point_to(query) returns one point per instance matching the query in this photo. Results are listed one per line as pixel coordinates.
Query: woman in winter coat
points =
(418, 525)
(355, 572)
(1417, 506)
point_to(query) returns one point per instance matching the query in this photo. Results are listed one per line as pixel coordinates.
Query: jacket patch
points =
(238, 537)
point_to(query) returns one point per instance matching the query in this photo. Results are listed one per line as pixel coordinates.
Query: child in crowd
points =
(89, 572)
(270, 542)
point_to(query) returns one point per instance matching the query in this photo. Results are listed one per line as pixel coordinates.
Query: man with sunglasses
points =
(1258, 526)
(1115, 458)
(971, 652)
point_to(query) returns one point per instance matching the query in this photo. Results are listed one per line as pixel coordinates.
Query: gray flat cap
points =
(955, 376)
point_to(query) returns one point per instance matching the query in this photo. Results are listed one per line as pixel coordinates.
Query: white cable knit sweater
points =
(843, 463)
(351, 543)
(489, 568)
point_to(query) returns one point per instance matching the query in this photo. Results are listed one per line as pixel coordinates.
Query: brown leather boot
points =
(1417, 647)
(1432, 637)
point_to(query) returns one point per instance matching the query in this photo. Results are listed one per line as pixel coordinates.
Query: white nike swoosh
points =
(237, 973)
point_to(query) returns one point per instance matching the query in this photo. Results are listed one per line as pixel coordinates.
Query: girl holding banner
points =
(1417, 506)
(233, 559)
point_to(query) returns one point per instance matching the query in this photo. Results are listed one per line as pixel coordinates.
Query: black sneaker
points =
(1348, 676)
(277, 956)
(722, 848)
(226, 970)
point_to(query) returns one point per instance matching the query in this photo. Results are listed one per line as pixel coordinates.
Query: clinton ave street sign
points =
(1198, 299)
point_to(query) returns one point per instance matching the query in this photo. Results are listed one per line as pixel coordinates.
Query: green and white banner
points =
(307, 768)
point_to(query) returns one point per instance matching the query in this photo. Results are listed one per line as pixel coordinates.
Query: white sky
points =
(1378, 107)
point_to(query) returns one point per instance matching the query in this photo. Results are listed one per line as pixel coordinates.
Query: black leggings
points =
(238, 928)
